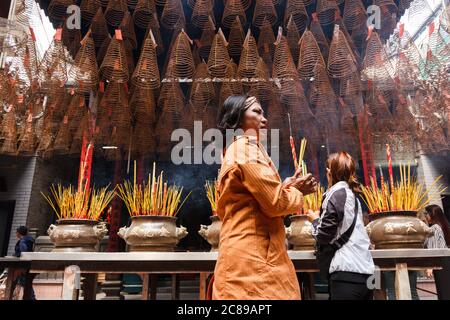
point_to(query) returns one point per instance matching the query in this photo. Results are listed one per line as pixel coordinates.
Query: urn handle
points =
(181, 232)
(203, 231)
(51, 229)
(122, 232)
(100, 230)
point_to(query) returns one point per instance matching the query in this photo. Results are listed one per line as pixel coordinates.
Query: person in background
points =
(352, 264)
(439, 240)
(25, 243)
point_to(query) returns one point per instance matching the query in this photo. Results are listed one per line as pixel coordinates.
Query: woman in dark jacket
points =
(352, 264)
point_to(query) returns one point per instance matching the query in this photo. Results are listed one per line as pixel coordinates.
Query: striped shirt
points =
(437, 240)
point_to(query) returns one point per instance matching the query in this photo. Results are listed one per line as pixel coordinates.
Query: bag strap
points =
(343, 239)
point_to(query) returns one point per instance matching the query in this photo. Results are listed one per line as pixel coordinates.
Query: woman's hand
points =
(306, 184)
(312, 215)
(429, 273)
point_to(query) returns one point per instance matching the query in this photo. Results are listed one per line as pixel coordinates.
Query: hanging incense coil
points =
(236, 39)
(341, 62)
(295, 10)
(266, 43)
(292, 93)
(127, 28)
(88, 9)
(322, 41)
(101, 53)
(376, 65)
(63, 139)
(283, 64)
(347, 120)
(326, 11)
(206, 40)
(54, 65)
(146, 73)
(170, 95)
(46, 136)
(57, 9)
(85, 70)
(264, 11)
(249, 57)
(233, 10)
(144, 13)
(71, 39)
(9, 146)
(245, 3)
(181, 57)
(225, 92)
(202, 90)
(27, 139)
(418, 8)
(218, 57)
(309, 55)
(293, 38)
(104, 3)
(444, 19)
(202, 13)
(321, 89)
(350, 85)
(355, 16)
(144, 141)
(234, 79)
(114, 66)
(173, 14)
(144, 106)
(115, 12)
(261, 88)
(99, 28)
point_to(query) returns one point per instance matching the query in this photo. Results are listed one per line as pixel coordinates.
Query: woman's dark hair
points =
(22, 230)
(437, 217)
(232, 112)
(342, 168)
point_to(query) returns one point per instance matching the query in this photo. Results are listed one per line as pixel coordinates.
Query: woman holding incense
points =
(439, 240)
(341, 214)
(253, 262)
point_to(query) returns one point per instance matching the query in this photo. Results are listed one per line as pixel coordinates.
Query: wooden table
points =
(89, 265)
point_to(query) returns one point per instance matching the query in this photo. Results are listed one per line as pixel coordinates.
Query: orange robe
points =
(253, 262)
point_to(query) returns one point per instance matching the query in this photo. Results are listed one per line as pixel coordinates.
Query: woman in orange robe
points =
(253, 262)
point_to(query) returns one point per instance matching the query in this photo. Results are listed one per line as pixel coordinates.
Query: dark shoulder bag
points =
(325, 252)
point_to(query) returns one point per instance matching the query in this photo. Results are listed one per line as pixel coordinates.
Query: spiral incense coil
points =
(341, 62)
(233, 78)
(322, 41)
(115, 12)
(104, 3)
(264, 10)
(292, 93)
(144, 141)
(99, 28)
(309, 56)
(225, 92)
(27, 140)
(418, 8)
(9, 146)
(144, 106)
(350, 85)
(236, 39)
(445, 19)
(46, 137)
(85, 70)
(127, 28)
(115, 66)
(321, 89)
(233, 10)
(326, 11)
(261, 87)
(63, 140)
(293, 38)
(146, 73)
(347, 120)
(57, 9)
(376, 65)
(132, 4)
(249, 57)
(202, 13)
(53, 67)
(143, 14)
(295, 10)
(266, 43)
(202, 90)
(206, 39)
(283, 64)
(88, 9)
(71, 39)
(172, 109)
(218, 56)
(173, 14)
(181, 58)
(355, 15)
(101, 52)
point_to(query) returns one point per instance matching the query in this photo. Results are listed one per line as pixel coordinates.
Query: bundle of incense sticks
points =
(312, 201)
(85, 203)
(212, 194)
(154, 197)
(405, 195)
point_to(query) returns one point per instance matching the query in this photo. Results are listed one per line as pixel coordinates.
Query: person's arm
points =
(325, 228)
(272, 196)
(23, 246)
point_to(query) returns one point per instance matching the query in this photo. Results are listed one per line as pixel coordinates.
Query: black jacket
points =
(24, 245)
